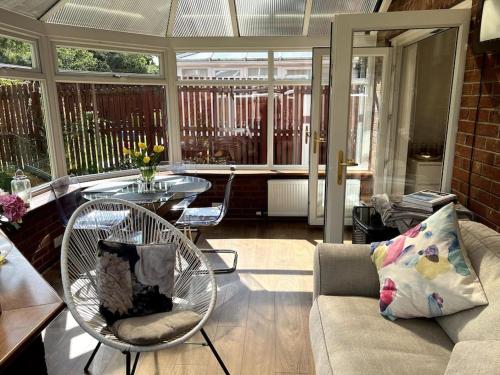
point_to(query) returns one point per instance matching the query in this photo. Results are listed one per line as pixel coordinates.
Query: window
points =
(227, 73)
(106, 62)
(16, 53)
(23, 140)
(293, 65)
(292, 117)
(194, 73)
(257, 73)
(221, 65)
(98, 120)
(223, 124)
(292, 107)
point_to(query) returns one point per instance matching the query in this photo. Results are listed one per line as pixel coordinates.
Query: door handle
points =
(317, 140)
(343, 164)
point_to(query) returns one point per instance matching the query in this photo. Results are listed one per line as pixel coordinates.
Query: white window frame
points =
(107, 75)
(35, 58)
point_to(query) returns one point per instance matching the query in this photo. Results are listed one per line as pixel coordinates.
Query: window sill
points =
(43, 195)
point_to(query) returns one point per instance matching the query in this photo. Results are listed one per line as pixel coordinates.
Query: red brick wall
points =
(476, 172)
(35, 237)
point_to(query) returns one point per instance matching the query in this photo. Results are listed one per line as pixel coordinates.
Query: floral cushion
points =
(134, 280)
(425, 272)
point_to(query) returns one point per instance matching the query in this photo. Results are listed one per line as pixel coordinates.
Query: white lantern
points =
(21, 186)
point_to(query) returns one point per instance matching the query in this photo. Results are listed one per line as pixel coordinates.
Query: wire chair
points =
(194, 286)
(197, 217)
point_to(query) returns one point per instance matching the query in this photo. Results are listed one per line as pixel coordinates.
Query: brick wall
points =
(35, 238)
(476, 172)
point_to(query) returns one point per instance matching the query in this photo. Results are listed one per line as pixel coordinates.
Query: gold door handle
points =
(341, 165)
(316, 141)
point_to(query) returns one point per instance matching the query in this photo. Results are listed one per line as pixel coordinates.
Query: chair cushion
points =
(475, 357)
(155, 328)
(425, 272)
(134, 280)
(349, 336)
(480, 323)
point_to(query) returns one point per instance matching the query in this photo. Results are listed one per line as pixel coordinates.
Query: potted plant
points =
(146, 161)
(12, 209)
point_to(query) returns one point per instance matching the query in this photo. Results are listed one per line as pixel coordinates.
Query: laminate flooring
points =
(259, 326)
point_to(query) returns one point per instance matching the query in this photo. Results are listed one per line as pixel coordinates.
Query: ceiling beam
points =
(307, 17)
(52, 10)
(382, 6)
(234, 17)
(171, 18)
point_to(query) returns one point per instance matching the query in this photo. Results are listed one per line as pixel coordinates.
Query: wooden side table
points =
(29, 304)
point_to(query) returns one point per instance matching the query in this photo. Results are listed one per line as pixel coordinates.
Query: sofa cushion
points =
(425, 272)
(480, 323)
(349, 336)
(475, 357)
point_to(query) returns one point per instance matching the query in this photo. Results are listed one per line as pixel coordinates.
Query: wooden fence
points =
(217, 124)
(99, 120)
(23, 141)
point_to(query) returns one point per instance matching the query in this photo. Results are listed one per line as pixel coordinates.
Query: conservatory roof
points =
(195, 18)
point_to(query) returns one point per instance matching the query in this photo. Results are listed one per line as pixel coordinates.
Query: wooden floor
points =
(260, 324)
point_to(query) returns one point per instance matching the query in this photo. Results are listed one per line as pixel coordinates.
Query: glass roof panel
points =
(132, 16)
(198, 18)
(270, 17)
(30, 8)
(323, 11)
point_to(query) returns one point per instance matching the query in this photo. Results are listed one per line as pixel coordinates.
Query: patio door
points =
(414, 149)
(368, 114)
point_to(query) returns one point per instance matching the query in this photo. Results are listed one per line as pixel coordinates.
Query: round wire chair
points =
(194, 285)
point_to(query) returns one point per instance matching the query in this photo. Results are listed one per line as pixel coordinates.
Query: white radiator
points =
(290, 197)
(287, 197)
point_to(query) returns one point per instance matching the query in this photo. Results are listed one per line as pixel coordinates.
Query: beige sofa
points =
(349, 336)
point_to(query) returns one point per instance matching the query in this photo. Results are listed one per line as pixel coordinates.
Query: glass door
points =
(413, 125)
(367, 117)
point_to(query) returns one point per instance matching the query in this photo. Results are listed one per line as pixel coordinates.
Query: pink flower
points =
(12, 207)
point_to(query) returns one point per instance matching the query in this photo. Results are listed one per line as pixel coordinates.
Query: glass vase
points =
(147, 182)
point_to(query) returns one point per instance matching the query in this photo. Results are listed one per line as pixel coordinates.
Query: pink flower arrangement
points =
(12, 207)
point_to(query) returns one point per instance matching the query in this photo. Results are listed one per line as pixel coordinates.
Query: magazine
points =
(429, 198)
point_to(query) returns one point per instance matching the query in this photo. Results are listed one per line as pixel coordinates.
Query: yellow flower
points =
(137, 153)
(141, 145)
(158, 149)
(146, 159)
(126, 151)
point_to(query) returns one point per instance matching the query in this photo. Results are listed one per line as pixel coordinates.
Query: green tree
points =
(15, 52)
(99, 61)
(80, 60)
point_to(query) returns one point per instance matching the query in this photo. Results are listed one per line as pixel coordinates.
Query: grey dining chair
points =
(199, 217)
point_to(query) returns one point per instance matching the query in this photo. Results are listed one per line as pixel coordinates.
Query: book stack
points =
(409, 210)
(426, 200)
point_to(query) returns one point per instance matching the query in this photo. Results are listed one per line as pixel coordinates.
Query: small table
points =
(166, 188)
(29, 304)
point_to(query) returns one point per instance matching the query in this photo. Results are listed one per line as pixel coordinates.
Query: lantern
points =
(21, 186)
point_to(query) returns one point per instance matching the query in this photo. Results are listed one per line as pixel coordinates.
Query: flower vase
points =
(147, 179)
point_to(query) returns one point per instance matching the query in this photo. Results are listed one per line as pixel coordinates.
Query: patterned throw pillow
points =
(134, 280)
(425, 272)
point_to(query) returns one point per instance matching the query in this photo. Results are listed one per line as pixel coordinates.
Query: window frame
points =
(35, 57)
(270, 83)
(98, 76)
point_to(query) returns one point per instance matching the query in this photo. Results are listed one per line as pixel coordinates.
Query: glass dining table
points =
(166, 189)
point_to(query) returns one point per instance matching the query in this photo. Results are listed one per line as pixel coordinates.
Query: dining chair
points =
(68, 197)
(194, 282)
(199, 217)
